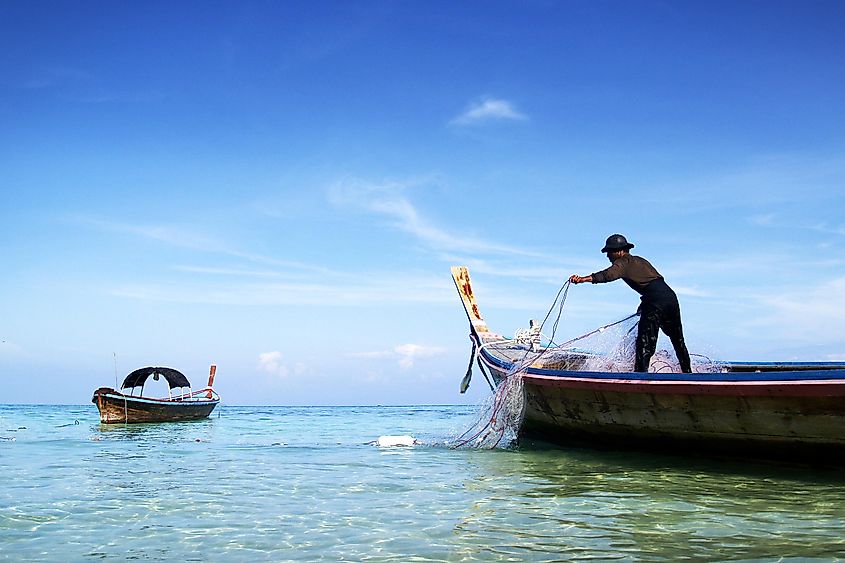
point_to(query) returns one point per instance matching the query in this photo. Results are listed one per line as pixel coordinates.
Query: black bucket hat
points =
(616, 242)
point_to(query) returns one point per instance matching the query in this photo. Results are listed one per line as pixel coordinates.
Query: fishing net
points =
(498, 419)
(500, 416)
(610, 348)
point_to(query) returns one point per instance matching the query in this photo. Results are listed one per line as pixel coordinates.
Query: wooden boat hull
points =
(783, 414)
(769, 421)
(116, 407)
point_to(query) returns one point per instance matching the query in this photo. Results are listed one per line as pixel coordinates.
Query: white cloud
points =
(372, 355)
(241, 272)
(810, 314)
(691, 291)
(410, 352)
(404, 354)
(827, 229)
(489, 109)
(10, 349)
(765, 182)
(388, 199)
(349, 291)
(763, 220)
(271, 362)
(180, 237)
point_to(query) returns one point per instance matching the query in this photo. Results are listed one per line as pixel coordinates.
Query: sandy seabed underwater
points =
(307, 483)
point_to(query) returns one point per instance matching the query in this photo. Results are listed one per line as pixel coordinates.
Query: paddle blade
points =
(465, 381)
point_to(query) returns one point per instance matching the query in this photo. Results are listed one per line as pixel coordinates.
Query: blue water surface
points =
(307, 484)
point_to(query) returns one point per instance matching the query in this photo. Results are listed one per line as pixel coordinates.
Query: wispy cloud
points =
(168, 234)
(763, 220)
(691, 291)
(405, 355)
(181, 237)
(486, 110)
(10, 349)
(811, 314)
(102, 96)
(79, 86)
(273, 281)
(388, 199)
(272, 363)
(410, 352)
(238, 272)
(786, 222)
(827, 229)
(547, 269)
(766, 181)
(50, 77)
(351, 291)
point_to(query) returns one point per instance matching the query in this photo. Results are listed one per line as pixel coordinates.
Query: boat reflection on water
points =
(583, 503)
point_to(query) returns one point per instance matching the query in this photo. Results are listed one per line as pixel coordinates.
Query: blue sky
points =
(280, 188)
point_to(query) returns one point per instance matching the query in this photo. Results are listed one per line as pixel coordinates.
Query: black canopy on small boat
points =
(139, 376)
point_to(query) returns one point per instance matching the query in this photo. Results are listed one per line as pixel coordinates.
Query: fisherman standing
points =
(659, 308)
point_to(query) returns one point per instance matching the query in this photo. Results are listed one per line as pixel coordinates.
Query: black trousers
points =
(666, 316)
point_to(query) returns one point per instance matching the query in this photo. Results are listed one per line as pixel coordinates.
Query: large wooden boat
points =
(127, 407)
(772, 409)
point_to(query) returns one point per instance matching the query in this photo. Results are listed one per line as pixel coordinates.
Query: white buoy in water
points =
(392, 441)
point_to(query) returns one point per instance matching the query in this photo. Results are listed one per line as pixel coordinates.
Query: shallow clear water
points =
(302, 483)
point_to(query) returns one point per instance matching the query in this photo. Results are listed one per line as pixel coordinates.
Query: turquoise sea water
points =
(303, 483)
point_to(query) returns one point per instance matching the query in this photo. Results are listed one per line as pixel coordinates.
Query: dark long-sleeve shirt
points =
(637, 272)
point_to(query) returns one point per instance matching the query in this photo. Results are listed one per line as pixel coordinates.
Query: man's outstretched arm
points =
(575, 278)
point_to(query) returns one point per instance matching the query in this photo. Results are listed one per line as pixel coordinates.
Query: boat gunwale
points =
(800, 388)
(799, 382)
(182, 400)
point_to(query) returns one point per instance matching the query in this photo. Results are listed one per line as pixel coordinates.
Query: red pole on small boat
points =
(211, 373)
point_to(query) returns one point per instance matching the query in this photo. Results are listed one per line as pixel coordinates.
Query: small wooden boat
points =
(120, 407)
(775, 410)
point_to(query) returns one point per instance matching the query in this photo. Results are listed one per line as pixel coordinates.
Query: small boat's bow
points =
(479, 333)
(460, 275)
(494, 352)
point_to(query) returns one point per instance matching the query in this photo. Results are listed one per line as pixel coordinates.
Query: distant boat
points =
(119, 407)
(793, 410)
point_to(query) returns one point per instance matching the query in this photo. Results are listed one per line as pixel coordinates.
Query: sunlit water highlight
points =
(285, 483)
